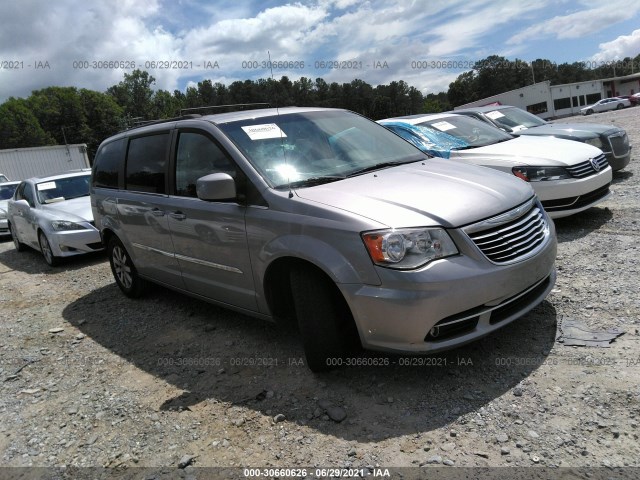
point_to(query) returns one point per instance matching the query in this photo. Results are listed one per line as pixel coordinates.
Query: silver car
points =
(53, 215)
(324, 218)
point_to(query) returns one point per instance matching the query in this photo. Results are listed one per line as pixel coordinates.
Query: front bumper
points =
(561, 198)
(74, 242)
(618, 163)
(399, 315)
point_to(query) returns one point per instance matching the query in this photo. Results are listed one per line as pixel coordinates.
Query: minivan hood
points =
(532, 150)
(582, 131)
(426, 193)
(75, 210)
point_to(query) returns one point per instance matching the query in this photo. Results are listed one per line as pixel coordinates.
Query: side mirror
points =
(216, 186)
(22, 205)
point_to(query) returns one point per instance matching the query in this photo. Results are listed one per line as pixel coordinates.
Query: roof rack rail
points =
(144, 123)
(233, 105)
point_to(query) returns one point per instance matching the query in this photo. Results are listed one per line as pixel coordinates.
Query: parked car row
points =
(327, 219)
(612, 140)
(568, 177)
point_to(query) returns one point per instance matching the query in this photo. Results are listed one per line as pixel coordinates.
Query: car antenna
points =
(284, 150)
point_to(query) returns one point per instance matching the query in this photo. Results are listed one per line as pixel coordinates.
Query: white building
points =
(553, 101)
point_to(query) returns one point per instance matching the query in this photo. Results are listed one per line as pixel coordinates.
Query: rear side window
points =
(146, 163)
(108, 165)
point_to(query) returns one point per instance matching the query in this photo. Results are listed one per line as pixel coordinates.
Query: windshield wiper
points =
(380, 166)
(311, 181)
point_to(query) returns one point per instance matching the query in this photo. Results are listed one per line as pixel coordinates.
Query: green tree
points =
(134, 94)
(19, 127)
(103, 117)
(463, 89)
(61, 114)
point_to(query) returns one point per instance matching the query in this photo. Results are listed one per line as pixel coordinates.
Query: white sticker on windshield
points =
(443, 126)
(46, 186)
(496, 114)
(262, 132)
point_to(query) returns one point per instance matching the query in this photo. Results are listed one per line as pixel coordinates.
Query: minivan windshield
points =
(309, 148)
(474, 133)
(514, 119)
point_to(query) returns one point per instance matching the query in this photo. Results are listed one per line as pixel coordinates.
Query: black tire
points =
(619, 106)
(16, 242)
(45, 249)
(325, 322)
(589, 112)
(123, 269)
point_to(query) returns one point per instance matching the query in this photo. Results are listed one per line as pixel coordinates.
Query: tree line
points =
(59, 115)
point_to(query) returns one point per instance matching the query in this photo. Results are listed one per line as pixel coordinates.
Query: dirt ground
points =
(169, 385)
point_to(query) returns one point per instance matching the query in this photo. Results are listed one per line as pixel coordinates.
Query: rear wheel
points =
(619, 106)
(123, 269)
(45, 248)
(16, 241)
(324, 319)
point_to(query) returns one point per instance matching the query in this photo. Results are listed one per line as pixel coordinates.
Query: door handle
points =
(178, 215)
(156, 212)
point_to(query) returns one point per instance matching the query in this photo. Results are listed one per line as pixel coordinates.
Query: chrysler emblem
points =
(595, 164)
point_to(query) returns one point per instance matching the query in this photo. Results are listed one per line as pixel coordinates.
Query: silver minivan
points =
(325, 218)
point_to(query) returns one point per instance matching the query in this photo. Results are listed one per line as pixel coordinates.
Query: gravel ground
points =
(90, 378)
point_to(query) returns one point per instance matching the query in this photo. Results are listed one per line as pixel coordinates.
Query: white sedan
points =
(7, 189)
(567, 176)
(606, 104)
(53, 215)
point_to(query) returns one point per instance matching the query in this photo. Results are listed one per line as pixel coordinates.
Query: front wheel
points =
(589, 112)
(324, 319)
(123, 269)
(16, 241)
(45, 248)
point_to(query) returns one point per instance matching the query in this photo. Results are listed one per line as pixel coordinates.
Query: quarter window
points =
(107, 165)
(198, 156)
(146, 163)
(25, 193)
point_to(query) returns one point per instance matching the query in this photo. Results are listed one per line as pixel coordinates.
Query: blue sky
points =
(72, 41)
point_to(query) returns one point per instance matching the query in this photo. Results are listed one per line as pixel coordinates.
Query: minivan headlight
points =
(540, 174)
(408, 248)
(596, 142)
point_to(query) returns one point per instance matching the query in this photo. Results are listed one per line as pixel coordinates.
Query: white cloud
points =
(581, 23)
(229, 32)
(621, 47)
(479, 20)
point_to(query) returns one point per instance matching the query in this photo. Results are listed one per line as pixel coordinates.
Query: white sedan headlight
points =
(408, 248)
(540, 174)
(64, 225)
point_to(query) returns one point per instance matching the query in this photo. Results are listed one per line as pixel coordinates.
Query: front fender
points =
(338, 265)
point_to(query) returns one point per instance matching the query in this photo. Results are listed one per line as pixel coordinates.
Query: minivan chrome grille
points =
(619, 144)
(513, 239)
(586, 169)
